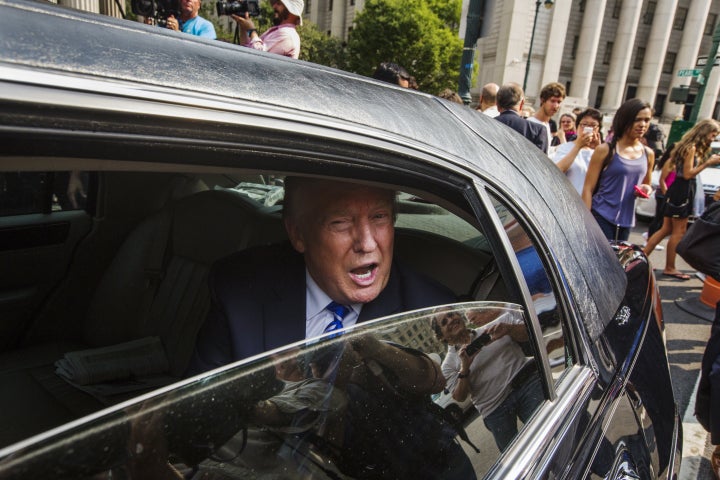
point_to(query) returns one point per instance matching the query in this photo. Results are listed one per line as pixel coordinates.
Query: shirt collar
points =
(317, 300)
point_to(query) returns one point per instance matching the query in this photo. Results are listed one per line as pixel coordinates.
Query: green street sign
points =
(689, 72)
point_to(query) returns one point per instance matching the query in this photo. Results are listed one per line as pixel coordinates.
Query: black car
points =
(134, 160)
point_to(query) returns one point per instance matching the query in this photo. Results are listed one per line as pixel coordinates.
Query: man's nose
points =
(364, 236)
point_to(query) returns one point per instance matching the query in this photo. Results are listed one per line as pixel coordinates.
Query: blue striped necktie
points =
(339, 312)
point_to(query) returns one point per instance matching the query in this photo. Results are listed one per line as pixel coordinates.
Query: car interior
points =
(129, 261)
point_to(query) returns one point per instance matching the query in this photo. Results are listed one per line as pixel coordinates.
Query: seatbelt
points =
(155, 265)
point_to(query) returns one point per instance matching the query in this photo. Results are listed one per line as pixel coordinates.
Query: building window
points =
(631, 92)
(330, 5)
(669, 65)
(307, 7)
(617, 8)
(582, 6)
(649, 13)
(659, 106)
(573, 51)
(608, 53)
(639, 58)
(599, 96)
(710, 25)
(680, 16)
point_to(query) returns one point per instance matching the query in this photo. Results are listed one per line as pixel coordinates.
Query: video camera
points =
(238, 7)
(160, 10)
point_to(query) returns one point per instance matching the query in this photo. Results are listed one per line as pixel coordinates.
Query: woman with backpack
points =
(620, 170)
(690, 157)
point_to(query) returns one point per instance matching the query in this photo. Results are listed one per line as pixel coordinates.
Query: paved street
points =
(687, 335)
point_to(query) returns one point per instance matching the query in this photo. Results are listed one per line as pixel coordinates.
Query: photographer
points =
(489, 364)
(281, 38)
(190, 22)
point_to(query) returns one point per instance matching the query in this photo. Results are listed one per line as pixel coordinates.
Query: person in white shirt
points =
(551, 98)
(573, 157)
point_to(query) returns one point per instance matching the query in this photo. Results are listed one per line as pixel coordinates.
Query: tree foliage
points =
(410, 33)
(318, 47)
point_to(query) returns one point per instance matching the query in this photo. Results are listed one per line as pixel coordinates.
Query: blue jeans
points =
(612, 231)
(521, 403)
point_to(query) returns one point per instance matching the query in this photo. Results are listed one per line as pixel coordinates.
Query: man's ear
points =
(295, 235)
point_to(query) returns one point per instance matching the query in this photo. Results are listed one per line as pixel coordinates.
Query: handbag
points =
(700, 246)
(678, 209)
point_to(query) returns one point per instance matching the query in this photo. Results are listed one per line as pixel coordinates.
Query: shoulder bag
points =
(700, 246)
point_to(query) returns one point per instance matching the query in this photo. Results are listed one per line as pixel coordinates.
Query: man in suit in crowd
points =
(510, 101)
(341, 237)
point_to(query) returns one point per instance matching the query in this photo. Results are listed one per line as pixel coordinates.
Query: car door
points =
(41, 226)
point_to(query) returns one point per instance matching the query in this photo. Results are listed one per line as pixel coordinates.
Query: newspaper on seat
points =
(117, 369)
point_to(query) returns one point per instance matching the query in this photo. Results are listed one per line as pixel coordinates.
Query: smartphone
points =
(588, 130)
(477, 344)
(640, 192)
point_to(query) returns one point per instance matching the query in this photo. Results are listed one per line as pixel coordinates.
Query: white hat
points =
(295, 7)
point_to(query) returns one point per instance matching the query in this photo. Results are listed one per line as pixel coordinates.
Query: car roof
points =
(153, 61)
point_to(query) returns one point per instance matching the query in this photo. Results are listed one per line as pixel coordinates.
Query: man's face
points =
(281, 13)
(451, 325)
(346, 233)
(189, 8)
(551, 105)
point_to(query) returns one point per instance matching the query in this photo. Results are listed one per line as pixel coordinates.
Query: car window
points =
(543, 293)
(358, 404)
(42, 192)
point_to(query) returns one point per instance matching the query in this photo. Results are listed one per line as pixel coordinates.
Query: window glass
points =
(42, 192)
(355, 405)
(543, 293)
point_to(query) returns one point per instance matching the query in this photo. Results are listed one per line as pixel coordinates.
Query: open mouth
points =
(364, 274)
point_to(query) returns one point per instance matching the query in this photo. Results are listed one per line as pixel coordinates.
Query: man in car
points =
(340, 271)
(281, 38)
(340, 253)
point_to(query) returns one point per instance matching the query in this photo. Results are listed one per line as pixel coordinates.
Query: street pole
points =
(472, 33)
(705, 75)
(532, 40)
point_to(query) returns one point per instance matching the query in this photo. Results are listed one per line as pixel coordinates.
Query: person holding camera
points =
(488, 363)
(190, 22)
(282, 38)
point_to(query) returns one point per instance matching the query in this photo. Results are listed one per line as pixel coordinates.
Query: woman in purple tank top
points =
(616, 168)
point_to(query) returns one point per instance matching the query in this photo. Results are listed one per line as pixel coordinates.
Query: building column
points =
(587, 49)
(655, 50)
(512, 41)
(687, 54)
(712, 89)
(621, 55)
(86, 5)
(555, 50)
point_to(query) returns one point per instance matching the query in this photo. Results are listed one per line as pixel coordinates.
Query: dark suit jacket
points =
(534, 132)
(707, 400)
(258, 303)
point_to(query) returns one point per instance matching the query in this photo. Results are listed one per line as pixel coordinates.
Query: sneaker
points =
(645, 235)
(659, 248)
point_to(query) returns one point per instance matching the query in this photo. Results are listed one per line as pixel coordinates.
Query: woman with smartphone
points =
(619, 171)
(573, 157)
(690, 157)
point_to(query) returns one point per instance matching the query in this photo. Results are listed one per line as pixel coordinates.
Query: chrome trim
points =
(546, 430)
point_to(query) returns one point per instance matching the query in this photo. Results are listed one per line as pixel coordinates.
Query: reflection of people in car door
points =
(502, 382)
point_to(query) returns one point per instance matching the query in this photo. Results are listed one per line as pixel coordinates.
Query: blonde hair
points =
(696, 137)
